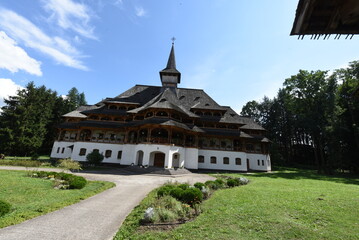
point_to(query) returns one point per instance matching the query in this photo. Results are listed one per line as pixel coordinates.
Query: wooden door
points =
(159, 160)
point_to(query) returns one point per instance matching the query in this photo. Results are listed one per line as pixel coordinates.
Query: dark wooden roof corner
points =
(325, 17)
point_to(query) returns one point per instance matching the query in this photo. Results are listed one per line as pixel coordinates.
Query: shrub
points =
(184, 186)
(192, 196)
(177, 193)
(199, 185)
(77, 182)
(35, 156)
(70, 164)
(4, 208)
(164, 190)
(233, 182)
(166, 215)
(220, 183)
(212, 185)
(94, 157)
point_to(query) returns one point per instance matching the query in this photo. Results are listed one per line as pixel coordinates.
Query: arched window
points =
(225, 160)
(149, 114)
(213, 160)
(113, 107)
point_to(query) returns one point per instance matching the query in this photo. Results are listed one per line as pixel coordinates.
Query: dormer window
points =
(163, 100)
(182, 97)
(197, 98)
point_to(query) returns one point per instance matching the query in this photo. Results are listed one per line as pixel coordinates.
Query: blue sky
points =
(236, 51)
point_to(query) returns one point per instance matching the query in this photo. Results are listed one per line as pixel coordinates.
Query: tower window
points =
(201, 159)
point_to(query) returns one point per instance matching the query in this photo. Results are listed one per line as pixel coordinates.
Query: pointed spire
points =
(170, 76)
(171, 63)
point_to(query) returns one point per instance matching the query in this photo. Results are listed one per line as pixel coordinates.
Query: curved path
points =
(97, 217)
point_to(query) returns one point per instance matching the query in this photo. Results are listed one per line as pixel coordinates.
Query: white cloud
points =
(71, 15)
(8, 88)
(31, 36)
(14, 58)
(140, 11)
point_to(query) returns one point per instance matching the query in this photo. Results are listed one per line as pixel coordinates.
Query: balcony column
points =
(149, 134)
(78, 135)
(126, 136)
(170, 135)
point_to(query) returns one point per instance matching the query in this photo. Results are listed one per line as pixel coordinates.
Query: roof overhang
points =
(326, 17)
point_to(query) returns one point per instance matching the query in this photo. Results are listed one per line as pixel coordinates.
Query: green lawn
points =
(31, 197)
(296, 204)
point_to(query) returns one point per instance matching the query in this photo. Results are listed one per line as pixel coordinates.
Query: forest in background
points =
(313, 120)
(29, 119)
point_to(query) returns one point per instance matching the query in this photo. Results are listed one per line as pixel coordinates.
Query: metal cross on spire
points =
(173, 40)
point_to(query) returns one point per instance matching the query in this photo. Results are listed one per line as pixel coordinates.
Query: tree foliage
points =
(313, 119)
(29, 119)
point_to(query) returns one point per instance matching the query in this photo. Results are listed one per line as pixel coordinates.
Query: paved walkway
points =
(97, 217)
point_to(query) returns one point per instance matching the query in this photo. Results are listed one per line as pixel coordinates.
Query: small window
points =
(238, 161)
(262, 162)
(119, 154)
(213, 160)
(197, 98)
(182, 97)
(206, 104)
(113, 107)
(82, 152)
(225, 160)
(58, 149)
(108, 153)
(258, 162)
(201, 159)
(63, 150)
(163, 100)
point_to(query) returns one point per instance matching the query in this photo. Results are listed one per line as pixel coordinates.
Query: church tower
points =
(170, 76)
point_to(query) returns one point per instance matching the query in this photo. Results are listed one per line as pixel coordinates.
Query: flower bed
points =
(61, 180)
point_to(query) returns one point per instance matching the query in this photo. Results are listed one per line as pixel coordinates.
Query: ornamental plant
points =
(94, 157)
(5, 208)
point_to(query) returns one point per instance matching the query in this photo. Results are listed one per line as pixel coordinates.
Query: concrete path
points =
(97, 217)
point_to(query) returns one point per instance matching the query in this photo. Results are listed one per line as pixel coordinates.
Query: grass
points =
(31, 197)
(287, 204)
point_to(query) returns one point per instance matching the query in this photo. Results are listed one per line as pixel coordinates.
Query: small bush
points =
(192, 196)
(77, 182)
(233, 182)
(35, 156)
(220, 183)
(184, 186)
(70, 164)
(166, 215)
(177, 193)
(4, 208)
(94, 157)
(212, 185)
(165, 190)
(199, 185)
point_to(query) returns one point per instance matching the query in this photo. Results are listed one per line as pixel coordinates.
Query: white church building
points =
(166, 127)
